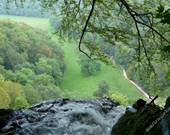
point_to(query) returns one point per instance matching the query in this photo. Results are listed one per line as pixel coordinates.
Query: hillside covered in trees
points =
(79, 67)
(129, 47)
(32, 65)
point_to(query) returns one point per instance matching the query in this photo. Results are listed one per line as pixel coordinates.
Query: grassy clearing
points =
(41, 23)
(74, 82)
(85, 86)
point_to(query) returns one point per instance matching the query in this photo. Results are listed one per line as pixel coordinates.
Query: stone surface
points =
(5, 115)
(136, 123)
(66, 117)
(147, 120)
(165, 122)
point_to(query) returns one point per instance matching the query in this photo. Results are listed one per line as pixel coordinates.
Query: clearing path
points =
(136, 85)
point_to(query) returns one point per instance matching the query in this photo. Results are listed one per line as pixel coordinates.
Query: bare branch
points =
(85, 27)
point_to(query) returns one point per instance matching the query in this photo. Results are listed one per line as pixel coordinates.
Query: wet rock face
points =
(66, 117)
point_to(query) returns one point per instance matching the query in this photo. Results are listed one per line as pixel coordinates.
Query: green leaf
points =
(160, 8)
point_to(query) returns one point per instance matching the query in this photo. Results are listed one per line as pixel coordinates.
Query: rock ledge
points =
(66, 117)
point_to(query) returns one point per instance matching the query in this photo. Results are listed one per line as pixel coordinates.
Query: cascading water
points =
(66, 117)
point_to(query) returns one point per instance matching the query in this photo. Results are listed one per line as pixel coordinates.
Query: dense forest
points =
(128, 34)
(85, 67)
(28, 8)
(32, 65)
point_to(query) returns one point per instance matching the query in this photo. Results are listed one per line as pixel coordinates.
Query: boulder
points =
(165, 122)
(138, 123)
(149, 119)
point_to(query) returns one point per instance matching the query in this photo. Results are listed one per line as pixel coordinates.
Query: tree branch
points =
(135, 18)
(85, 27)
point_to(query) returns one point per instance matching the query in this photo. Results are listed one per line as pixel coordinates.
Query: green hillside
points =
(77, 85)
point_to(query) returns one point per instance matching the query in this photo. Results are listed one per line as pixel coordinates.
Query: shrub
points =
(103, 89)
(20, 102)
(120, 98)
(89, 67)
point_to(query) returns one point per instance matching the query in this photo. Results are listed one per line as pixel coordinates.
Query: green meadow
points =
(74, 82)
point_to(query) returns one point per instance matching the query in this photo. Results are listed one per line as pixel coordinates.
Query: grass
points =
(74, 82)
(85, 86)
(41, 23)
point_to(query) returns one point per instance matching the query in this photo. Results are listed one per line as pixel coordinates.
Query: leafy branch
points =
(135, 17)
(138, 20)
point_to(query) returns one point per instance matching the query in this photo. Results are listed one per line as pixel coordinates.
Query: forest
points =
(41, 58)
(37, 66)
(85, 67)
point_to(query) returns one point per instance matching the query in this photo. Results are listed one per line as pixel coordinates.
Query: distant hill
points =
(31, 65)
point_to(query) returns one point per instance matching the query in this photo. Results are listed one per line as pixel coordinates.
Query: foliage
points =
(141, 26)
(79, 86)
(27, 8)
(10, 91)
(30, 61)
(118, 97)
(55, 22)
(164, 14)
(13, 89)
(139, 31)
(89, 67)
(21, 102)
(32, 95)
(74, 84)
(103, 89)
(4, 99)
(48, 92)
